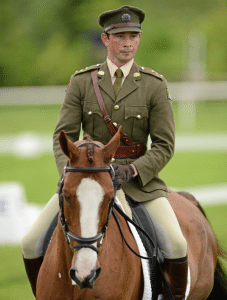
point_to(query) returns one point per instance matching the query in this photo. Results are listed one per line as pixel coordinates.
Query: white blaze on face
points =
(89, 194)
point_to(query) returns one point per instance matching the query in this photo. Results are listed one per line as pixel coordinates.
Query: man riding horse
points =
(136, 98)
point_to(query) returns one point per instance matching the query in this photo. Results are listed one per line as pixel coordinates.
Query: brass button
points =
(116, 107)
(139, 117)
(90, 113)
(115, 124)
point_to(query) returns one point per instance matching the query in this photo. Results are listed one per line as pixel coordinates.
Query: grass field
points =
(39, 176)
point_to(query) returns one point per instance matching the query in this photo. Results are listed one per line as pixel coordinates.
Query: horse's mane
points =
(90, 148)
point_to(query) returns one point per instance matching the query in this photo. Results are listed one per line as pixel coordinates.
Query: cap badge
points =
(101, 73)
(136, 75)
(126, 18)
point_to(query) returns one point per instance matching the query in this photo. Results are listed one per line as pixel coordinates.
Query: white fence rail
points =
(180, 91)
(186, 93)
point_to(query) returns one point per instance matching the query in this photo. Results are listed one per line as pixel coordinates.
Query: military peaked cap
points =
(123, 19)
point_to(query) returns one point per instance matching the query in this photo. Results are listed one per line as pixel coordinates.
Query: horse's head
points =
(86, 197)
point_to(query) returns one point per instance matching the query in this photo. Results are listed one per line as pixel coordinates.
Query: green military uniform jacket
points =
(142, 107)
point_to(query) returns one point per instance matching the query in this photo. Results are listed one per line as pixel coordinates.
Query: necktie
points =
(117, 83)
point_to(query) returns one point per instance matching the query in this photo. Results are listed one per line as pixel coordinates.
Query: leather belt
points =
(130, 151)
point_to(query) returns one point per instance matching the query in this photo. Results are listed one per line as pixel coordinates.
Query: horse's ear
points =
(110, 149)
(67, 146)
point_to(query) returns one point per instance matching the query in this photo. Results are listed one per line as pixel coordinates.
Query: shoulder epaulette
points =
(93, 67)
(151, 72)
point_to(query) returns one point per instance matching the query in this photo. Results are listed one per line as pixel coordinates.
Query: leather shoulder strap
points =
(112, 128)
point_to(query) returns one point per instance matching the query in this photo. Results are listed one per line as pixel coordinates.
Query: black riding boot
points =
(176, 273)
(32, 267)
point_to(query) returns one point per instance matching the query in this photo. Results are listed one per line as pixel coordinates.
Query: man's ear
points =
(105, 39)
(139, 35)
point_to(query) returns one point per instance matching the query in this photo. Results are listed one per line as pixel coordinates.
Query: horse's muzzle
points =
(88, 281)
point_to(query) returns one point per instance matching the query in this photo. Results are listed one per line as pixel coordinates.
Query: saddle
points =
(140, 217)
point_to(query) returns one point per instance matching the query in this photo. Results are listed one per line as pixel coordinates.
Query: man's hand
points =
(123, 174)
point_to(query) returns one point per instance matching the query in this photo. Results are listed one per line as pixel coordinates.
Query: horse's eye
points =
(66, 199)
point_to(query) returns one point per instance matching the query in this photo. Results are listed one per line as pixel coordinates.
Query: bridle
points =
(84, 242)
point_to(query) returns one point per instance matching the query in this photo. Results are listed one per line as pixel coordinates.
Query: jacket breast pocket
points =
(137, 118)
(92, 120)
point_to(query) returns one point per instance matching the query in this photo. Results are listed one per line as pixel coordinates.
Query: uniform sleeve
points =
(162, 132)
(69, 120)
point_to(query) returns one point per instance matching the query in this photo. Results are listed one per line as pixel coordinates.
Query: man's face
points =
(121, 47)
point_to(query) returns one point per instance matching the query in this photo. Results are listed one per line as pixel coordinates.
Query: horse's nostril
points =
(94, 274)
(98, 270)
(88, 281)
(74, 277)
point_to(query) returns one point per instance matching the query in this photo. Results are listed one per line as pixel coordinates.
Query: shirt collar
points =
(125, 68)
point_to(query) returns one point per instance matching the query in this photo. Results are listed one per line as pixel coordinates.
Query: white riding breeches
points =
(170, 238)
(32, 242)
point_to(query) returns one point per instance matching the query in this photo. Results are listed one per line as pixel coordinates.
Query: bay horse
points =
(87, 257)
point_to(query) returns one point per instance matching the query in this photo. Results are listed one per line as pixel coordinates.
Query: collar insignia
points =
(136, 75)
(101, 73)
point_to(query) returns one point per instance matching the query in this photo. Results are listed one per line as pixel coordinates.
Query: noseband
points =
(84, 242)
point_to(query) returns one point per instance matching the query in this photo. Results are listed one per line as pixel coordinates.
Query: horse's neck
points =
(121, 197)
